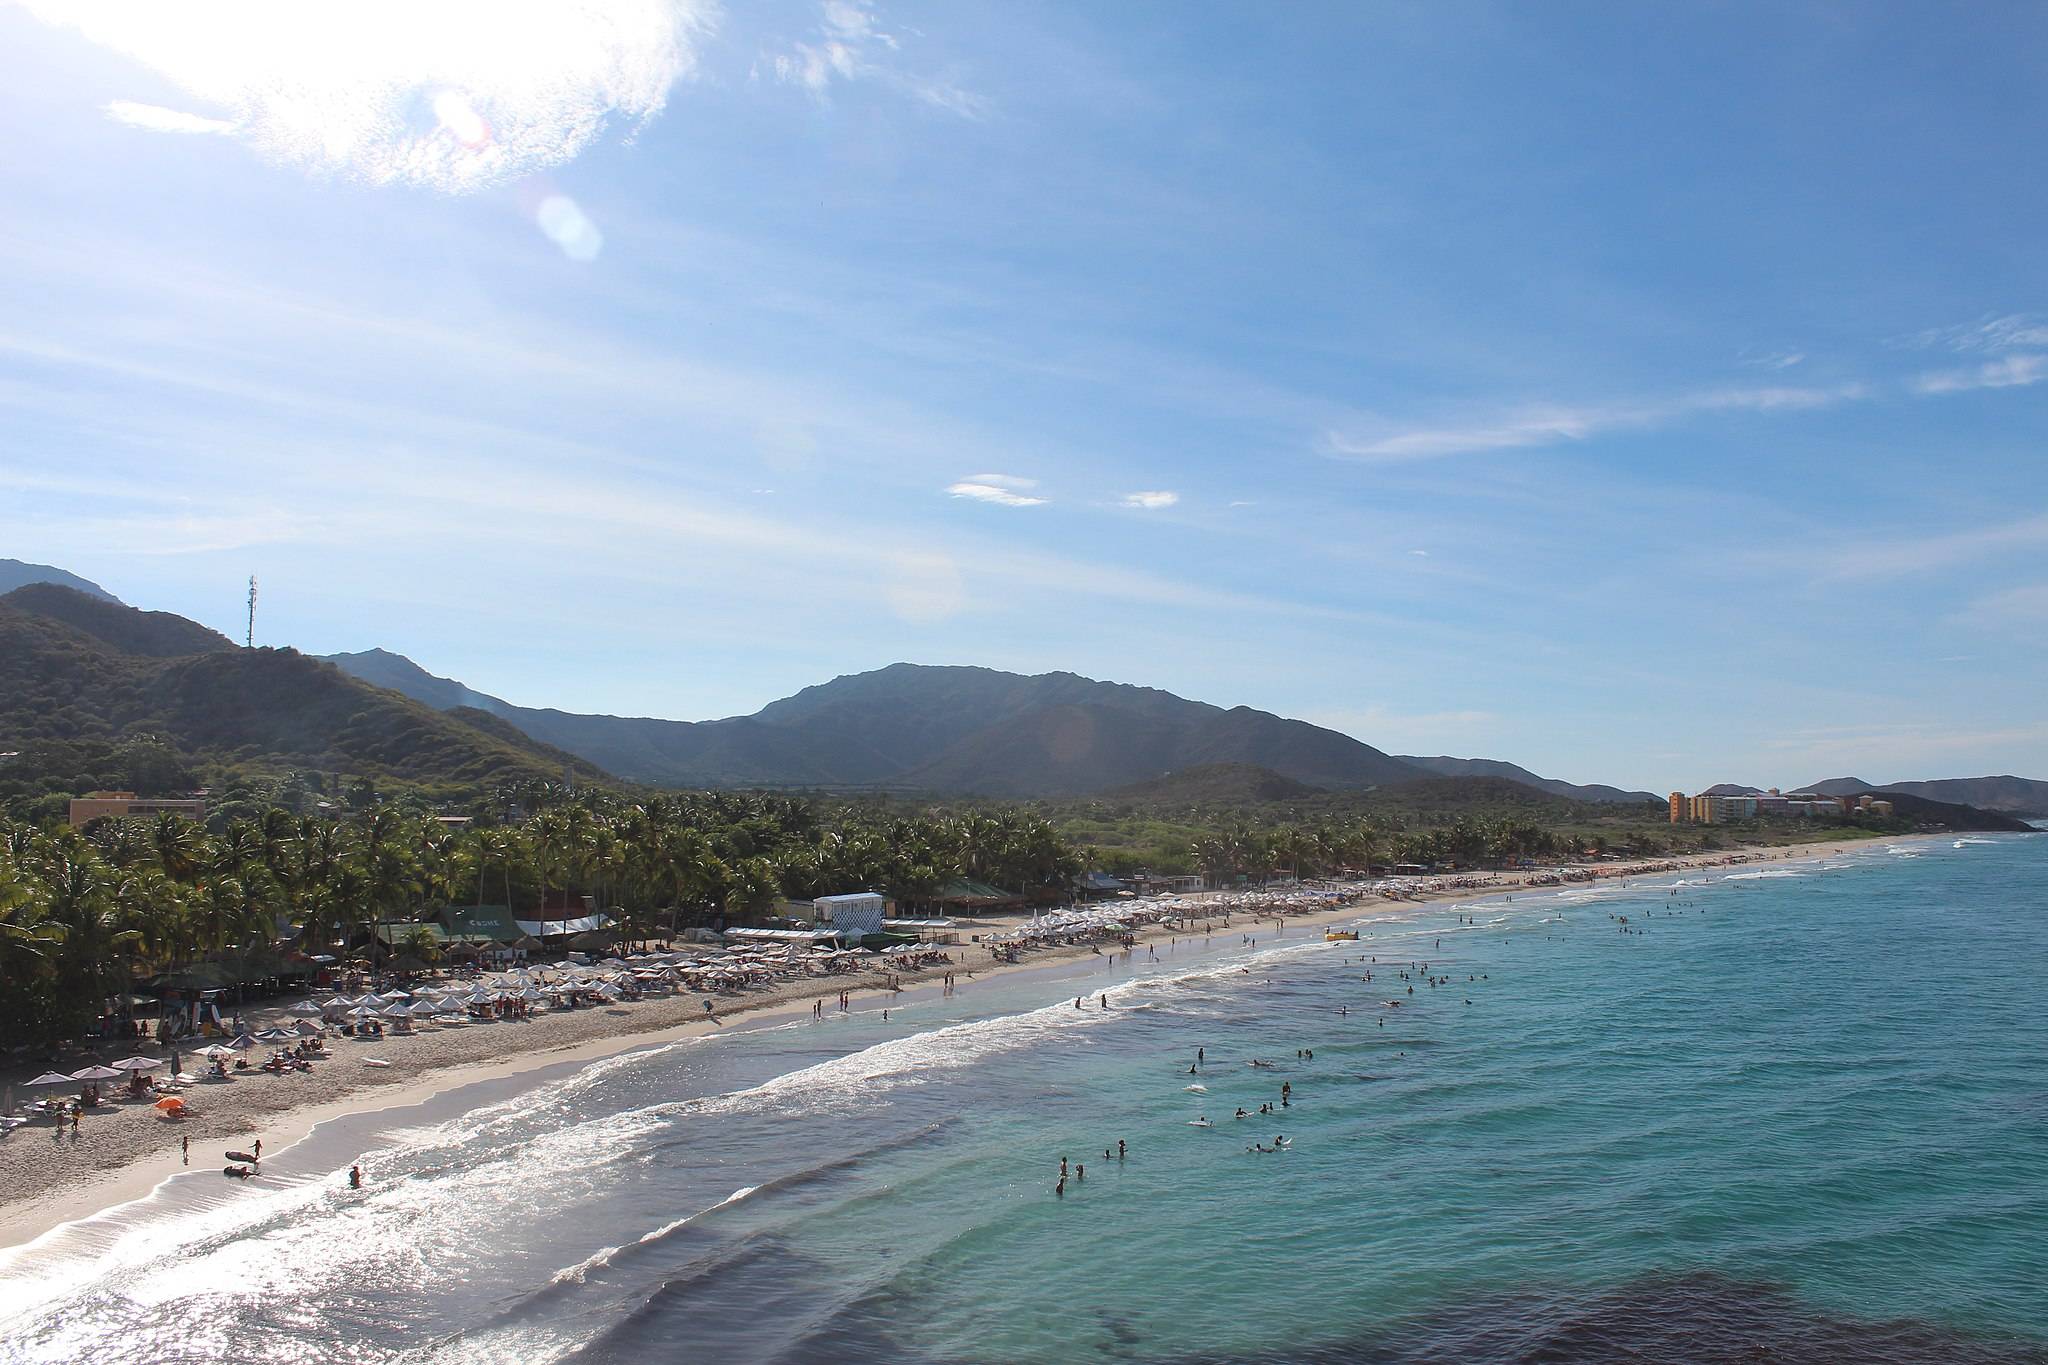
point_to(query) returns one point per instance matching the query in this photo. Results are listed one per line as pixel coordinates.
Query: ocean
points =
(1797, 1112)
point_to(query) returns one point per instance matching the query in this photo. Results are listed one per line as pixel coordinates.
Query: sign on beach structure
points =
(853, 914)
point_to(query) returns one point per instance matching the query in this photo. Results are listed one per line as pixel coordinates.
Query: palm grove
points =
(85, 915)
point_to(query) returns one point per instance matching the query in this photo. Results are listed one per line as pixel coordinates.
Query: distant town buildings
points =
(1709, 809)
(123, 805)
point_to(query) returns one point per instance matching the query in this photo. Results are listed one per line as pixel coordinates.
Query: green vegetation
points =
(95, 694)
(1465, 822)
(86, 915)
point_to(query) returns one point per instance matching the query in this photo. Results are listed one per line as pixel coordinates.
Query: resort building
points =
(1705, 809)
(125, 805)
(853, 915)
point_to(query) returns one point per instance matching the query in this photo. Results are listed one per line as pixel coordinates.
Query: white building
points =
(854, 914)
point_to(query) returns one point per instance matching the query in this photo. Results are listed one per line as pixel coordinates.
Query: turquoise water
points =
(1803, 1111)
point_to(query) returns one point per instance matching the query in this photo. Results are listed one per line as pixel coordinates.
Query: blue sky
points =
(1646, 394)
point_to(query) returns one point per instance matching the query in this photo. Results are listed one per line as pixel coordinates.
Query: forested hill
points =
(78, 672)
(921, 728)
(2013, 795)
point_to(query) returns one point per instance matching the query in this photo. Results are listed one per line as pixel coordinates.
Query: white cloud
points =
(1420, 554)
(2013, 371)
(849, 45)
(1556, 424)
(158, 119)
(1003, 490)
(455, 95)
(1772, 360)
(2022, 606)
(1891, 557)
(2008, 332)
(1152, 500)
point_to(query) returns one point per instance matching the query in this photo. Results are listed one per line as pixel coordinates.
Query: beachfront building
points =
(1713, 809)
(852, 915)
(127, 805)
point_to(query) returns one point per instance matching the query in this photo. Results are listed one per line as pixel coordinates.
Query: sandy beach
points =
(121, 1151)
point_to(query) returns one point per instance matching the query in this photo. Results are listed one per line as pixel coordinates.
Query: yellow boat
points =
(1340, 936)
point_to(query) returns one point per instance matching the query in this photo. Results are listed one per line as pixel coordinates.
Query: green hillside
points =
(83, 681)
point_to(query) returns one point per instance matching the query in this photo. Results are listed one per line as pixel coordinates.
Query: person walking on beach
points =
(185, 1149)
(257, 1150)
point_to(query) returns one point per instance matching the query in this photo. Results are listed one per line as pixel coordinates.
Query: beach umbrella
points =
(242, 1042)
(217, 1050)
(138, 1064)
(170, 1103)
(364, 1012)
(304, 1007)
(398, 1011)
(50, 1078)
(274, 1035)
(307, 1029)
(96, 1073)
(339, 1002)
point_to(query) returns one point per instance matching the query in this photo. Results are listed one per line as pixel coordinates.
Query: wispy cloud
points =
(1555, 424)
(1895, 556)
(158, 119)
(1004, 490)
(1151, 500)
(1996, 332)
(2022, 606)
(455, 95)
(850, 44)
(2012, 371)
(1772, 360)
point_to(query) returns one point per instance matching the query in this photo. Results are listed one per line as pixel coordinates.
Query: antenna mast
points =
(250, 640)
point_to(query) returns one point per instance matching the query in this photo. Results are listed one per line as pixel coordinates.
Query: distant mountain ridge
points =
(954, 729)
(74, 667)
(1513, 772)
(2012, 795)
(18, 573)
(2007, 795)
(930, 728)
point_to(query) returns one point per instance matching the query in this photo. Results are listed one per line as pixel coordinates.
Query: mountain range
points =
(80, 668)
(952, 729)
(2009, 795)
(76, 663)
(15, 573)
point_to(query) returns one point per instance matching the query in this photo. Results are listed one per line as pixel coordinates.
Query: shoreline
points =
(43, 1188)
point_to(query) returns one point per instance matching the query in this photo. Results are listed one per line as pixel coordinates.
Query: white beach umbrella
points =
(399, 1011)
(50, 1078)
(96, 1073)
(307, 1029)
(339, 1002)
(364, 1012)
(242, 1042)
(304, 1007)
(274, 1035)
(138, 1064)
(216, 1050)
